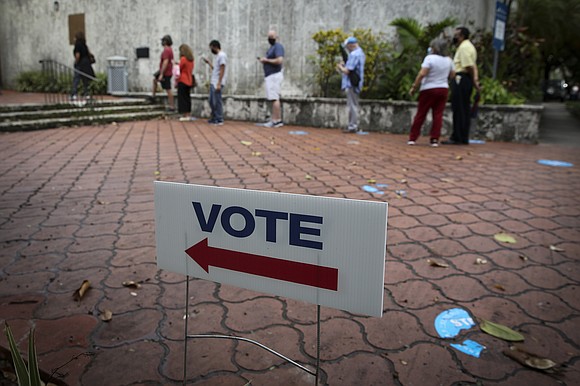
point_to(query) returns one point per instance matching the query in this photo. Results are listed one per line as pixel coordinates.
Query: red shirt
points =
(185, 70)
(167, 54)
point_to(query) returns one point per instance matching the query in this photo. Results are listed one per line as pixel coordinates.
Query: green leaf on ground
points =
(505, 238)
(500, 331)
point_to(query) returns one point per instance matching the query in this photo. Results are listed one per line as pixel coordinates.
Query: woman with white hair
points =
(433, 79)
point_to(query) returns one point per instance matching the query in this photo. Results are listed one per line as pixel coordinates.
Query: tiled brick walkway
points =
(77, 204)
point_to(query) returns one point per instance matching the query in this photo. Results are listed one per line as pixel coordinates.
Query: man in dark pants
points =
(462, 86)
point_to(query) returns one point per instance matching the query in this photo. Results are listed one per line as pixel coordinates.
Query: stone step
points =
(48, 123)
(66, 104)
(74, 111)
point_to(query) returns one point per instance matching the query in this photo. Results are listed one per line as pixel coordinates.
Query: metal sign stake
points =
(316, 373)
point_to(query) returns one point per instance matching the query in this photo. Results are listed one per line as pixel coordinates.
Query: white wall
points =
(31, 30)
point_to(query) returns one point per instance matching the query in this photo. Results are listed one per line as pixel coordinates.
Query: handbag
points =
(354, 78)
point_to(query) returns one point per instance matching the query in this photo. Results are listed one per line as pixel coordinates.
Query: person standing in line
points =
(274, 75)
(466, 77)
(185, 82)
(165, 72)
(83, 64)
(217, 82)
(433, 78)
(352, 81)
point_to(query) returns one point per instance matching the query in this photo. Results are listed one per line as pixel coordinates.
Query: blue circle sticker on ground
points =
(550, 162)
(450, 322)
(298, 132)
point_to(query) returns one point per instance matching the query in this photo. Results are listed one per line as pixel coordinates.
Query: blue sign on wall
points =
(501, 15)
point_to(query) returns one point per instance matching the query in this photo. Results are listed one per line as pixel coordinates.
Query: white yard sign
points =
(321, 250)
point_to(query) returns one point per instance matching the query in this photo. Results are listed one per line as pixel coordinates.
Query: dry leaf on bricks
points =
(529, 359)
(434, 263)
(80, 292)
(107, 315)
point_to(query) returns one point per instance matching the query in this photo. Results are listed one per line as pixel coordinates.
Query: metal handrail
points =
(60, 74)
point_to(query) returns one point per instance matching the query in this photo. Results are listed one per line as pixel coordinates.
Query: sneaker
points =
(349, 131)
(434, 143)
(187, 119)
(278, 124)
(217, 123)
(210, 121)
(268, 124)
(411, 143)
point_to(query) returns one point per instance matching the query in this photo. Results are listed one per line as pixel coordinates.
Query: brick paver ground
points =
(77, 204)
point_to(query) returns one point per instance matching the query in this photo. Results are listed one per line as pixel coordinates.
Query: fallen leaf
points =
(500, 331)
(404, 363)
(459, 158)
(529, 359)
(80, 292)
(556, 249)
(499, 287)
(133, 293)
(434, 263)
(102, 202)
(403, 181)
(480, 261)
(449, 180)
(256, 153)
(157, 172)
(308, 177)
(371, 181)
(524, 258)
(131, 284)
(505, 238)
(247, 143)
(316, 149)
(107, 315)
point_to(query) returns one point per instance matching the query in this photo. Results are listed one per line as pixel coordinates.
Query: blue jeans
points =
(216, 105)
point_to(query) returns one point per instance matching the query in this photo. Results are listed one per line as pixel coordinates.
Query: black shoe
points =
(450, 142)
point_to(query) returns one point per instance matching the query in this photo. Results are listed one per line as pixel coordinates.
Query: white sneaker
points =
(411, 143)
(434, 144)
(187, 119)
(278, 124)
(269, 124)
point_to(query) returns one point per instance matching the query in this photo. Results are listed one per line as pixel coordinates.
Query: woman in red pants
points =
(433, 78)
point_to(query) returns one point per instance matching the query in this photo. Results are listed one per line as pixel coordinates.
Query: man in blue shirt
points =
(274, 76)
(355, 64)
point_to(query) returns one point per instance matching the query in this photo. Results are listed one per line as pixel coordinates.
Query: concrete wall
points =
(494, 123)
(32, 29)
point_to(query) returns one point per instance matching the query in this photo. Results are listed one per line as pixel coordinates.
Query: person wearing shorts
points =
(273, 72)
(165, 72)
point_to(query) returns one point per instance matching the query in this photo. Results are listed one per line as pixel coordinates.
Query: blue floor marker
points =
(298, 132)
(449, 323)
(469, 347)
(550, 162)
(372, 189)
(476, 142)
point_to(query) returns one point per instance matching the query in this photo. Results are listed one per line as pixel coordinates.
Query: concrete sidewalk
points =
(77, 204)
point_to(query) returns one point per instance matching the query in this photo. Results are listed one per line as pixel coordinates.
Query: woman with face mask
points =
(433, 83)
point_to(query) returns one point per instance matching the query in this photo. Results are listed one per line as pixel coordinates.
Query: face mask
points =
(271, 41)
(429, 51)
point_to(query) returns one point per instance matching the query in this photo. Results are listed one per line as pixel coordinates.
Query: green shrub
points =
(38, 81)
(493, 92)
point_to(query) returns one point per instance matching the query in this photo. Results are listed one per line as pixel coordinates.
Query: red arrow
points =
(292, 271)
